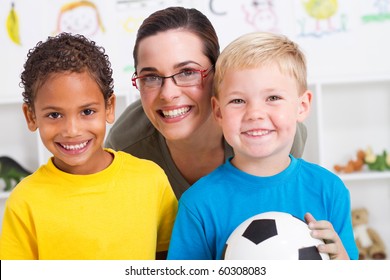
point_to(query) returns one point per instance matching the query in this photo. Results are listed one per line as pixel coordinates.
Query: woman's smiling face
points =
(177, 112)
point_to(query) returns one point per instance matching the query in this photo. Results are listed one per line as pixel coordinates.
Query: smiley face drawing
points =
(80, 17)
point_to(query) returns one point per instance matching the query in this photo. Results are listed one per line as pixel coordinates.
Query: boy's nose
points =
(255, 111)
(71, 127)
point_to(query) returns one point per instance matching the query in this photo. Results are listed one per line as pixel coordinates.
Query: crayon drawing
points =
(12, 25)
(79, 17)
(317, 18)
(261, 15)
(375, 11)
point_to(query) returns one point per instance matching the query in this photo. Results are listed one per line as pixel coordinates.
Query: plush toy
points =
(368, 241)
(353, 164)
(379, 162)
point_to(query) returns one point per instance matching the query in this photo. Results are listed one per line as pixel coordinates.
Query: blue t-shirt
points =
(214, 206)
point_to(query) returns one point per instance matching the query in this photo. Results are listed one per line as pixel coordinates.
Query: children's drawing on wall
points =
(12, 25)
(149, 5)
(247, 16)
(79, 17)
(318, 18)
(261, 15)
(375, 11)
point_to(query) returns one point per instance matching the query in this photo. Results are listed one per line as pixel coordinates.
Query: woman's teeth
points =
(175, 113)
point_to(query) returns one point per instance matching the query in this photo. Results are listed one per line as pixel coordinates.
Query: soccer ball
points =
(273, 236)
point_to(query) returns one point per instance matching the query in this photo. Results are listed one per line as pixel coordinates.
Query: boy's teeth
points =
(258, 133)
(75, 147)
(175, 113)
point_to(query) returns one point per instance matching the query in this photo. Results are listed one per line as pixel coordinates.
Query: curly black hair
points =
(65, 53)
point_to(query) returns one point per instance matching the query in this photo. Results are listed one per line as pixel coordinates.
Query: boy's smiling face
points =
(70, 114)
(258, 110)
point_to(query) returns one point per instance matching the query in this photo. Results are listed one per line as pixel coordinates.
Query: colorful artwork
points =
(81, 17)
(12, 25)
(376, 11)
(148, 4)
(320, 18)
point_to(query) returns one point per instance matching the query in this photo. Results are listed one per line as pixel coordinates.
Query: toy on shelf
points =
(11, 172)
(379, 162)
(353, 165)
(368, 241)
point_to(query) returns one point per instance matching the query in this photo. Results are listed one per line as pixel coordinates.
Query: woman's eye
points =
(88, 112)
(188, 73)
(54, 115)
(151, 78)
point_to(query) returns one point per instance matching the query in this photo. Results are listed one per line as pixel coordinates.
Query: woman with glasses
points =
(172, 123)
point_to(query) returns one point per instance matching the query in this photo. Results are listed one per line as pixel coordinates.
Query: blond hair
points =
(259, 49)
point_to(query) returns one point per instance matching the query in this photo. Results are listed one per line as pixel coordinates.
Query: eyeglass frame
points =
(201, 71)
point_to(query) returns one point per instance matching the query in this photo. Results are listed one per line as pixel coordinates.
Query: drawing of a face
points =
(261, 15)
(264, 19)
(82, 19)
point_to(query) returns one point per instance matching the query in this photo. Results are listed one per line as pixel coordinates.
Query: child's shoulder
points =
(133, 162)
(316, 170)
(208, 187)
(29, 187)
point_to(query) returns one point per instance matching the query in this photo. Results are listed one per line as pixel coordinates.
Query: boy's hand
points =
(324, 230)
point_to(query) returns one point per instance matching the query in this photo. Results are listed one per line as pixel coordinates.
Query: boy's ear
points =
(304, 105)
(216, 109)
(30, 117)
(110, 109)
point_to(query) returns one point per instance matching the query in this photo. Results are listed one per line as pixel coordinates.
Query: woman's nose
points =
(169, 90)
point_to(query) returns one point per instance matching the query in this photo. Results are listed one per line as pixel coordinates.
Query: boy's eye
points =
(273, 98)
(88, 112)
(237, 101)
(54, 115)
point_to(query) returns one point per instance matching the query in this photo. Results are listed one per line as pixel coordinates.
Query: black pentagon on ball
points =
(260, 230)
(309, 253)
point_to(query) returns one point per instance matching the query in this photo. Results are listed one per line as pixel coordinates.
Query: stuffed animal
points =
(368, 241)
(379, 162)
(353, 164)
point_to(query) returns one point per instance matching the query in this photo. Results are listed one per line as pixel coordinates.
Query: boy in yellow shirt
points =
(87, 202)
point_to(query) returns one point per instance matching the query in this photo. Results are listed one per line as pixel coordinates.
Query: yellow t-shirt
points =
(123, 212)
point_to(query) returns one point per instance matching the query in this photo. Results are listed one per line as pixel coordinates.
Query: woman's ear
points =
(304, 105)
(30, 117)
(110, 109)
